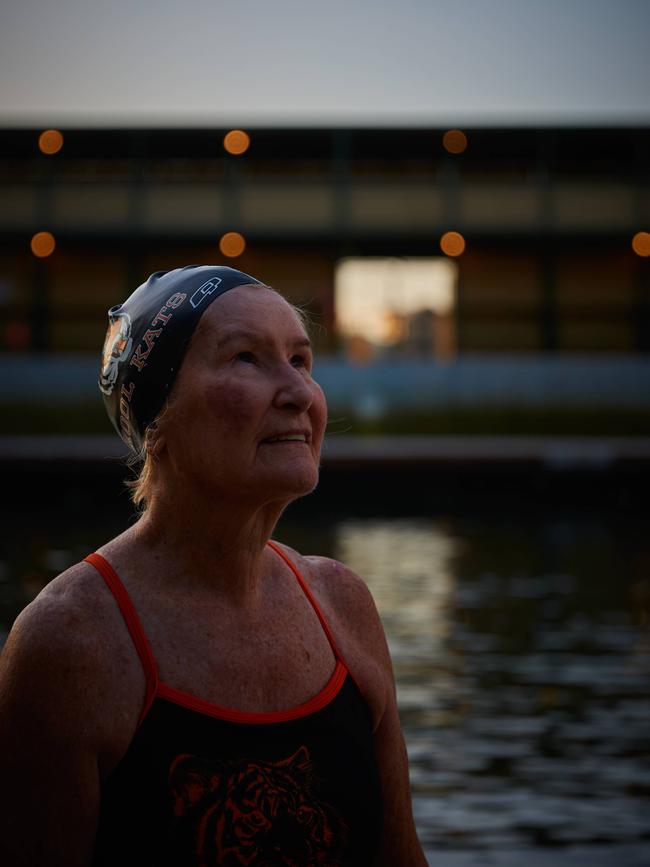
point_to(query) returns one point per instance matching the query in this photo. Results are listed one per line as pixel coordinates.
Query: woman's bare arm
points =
(54, 729)
(350, 605)
(399, 841)
(400, 844)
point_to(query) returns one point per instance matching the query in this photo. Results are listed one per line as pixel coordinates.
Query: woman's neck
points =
(207, 543)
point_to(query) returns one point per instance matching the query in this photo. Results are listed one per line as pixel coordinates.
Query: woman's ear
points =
(154, 440)
(158, 445)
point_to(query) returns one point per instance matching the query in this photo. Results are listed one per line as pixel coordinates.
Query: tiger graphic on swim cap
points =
(117, 347)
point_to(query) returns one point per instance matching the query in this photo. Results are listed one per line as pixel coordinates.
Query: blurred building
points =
(545, 227)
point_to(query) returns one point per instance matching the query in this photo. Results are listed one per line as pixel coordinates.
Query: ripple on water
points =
(523, 690)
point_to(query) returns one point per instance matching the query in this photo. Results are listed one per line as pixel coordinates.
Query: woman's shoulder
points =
(68, 631)
(67, 615)
(64, 662)
(348, 605)
(350, 610)
(341, 586)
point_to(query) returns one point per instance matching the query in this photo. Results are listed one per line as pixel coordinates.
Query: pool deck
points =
(342, 449)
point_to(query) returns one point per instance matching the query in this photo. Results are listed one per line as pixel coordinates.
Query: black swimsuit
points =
(203, 784)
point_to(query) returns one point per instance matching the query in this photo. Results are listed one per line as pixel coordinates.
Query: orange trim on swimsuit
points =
(134, 626)
(318, 702)
(156, 688)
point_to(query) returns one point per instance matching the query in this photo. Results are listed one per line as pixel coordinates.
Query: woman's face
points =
(246, 418)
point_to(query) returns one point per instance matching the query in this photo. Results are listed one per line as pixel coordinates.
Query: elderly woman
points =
(194, 693)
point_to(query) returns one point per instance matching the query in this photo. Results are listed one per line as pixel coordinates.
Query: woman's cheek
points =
(234, 407)
(320, 404)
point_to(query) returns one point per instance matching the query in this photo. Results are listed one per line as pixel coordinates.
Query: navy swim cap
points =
(146, 340)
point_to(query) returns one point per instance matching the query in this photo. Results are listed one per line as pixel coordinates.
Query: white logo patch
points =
(203, 291)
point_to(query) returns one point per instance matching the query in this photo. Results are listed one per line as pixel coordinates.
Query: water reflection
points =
(522, 654)
(523, 683)
(407, 564)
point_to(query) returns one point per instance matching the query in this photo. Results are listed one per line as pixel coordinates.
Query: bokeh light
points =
(43, 244)
(50, 141)
(452, 244)
(236, 141)
(641, 243)
(454, 141)
(232, 244)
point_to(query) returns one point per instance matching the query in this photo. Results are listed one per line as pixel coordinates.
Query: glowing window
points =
(396, 307)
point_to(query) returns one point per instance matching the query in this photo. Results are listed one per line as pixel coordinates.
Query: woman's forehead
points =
(251, 310)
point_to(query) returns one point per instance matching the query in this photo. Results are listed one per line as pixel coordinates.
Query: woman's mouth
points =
(286, 438)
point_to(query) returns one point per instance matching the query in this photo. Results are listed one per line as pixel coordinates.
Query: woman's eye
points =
(245, 356)
(299, 361)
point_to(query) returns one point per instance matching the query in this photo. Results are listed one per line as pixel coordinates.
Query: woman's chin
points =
(296, 482)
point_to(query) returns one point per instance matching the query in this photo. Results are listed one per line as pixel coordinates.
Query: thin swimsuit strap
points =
(310, 597)
(132, 621)
(155, 687)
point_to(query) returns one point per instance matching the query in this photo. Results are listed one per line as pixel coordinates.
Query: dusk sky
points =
(412, 62)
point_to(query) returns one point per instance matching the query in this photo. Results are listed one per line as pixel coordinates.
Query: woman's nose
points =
(294, 391)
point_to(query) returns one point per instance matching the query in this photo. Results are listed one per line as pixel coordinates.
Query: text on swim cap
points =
(142, 350)
(125, 398)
